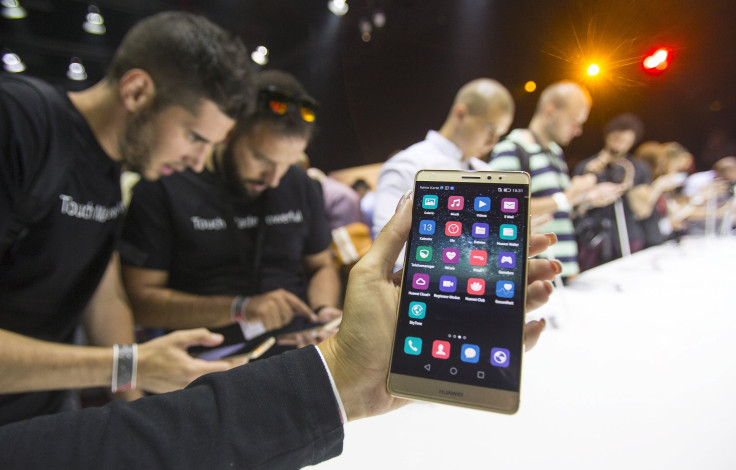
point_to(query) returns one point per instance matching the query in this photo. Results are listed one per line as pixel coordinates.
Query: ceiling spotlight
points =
(260, 55)
(338, 7)
(12, 63)
(94, 23)
(366, 28)
(379, 19)
(76, 70)
(12, 10)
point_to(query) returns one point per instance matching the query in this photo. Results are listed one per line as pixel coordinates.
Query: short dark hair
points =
(289, 124)
(189, 59)
(625, 122)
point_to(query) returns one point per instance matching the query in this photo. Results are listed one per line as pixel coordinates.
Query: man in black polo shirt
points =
(174, 88)
(246, 240)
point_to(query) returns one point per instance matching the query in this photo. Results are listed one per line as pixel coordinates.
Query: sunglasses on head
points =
(280, 102)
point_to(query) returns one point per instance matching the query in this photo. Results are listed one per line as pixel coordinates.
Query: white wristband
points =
(563, 205)
(250, 329)
(124, 367)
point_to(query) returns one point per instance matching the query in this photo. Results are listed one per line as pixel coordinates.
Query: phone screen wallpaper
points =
(461, 312)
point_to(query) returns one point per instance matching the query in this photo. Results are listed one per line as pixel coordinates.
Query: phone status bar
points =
(452, 188)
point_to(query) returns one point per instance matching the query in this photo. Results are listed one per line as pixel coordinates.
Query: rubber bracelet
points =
(124, 367)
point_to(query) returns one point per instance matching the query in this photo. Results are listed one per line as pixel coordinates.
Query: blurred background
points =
(386, 71)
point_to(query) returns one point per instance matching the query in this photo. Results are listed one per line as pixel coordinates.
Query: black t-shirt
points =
(47, 278)
(211, 243)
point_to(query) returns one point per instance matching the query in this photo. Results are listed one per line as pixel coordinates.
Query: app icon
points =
(470, 353)
(424, 253)
(482, 204)
(476, 286)
(417, 310)
(426, 227)
(455, 203)
(505, 289)
(480, 230)
(506, 259)
(441, 349)
(500, 357)
(450, 255)
(507, 232)
(413, 345)
(453, 229)
(430, 201)
(478, 257)
(448, 283)
(509, 204)
(420, 281)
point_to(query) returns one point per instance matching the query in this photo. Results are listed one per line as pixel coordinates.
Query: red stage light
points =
(657, 61)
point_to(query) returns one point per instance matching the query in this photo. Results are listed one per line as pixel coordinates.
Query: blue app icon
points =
(480, 230)
(413, 345)
(505, 289)
(417, 310)
(426, 227)
(448, 283)
(506, 259)
(500, 357)
(470, 353)
(430, 201)
(482, 204)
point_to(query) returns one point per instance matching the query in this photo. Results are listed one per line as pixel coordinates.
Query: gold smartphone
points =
(459, 336)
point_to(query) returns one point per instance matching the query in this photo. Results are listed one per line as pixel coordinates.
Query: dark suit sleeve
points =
(274, 413)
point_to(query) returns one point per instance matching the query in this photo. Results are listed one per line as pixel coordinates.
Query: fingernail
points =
(552, 237)
(408, 196)
(557, 265)
(543, 322)
(550, 287)
(216, 336)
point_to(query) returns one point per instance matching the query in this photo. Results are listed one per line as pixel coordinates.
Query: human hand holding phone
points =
(358, 355)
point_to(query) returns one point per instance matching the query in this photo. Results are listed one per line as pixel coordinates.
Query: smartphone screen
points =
(459, 332)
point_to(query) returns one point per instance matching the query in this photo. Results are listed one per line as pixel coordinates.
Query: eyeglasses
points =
(280, 102)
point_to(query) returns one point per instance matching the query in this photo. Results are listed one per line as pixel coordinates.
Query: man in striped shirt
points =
(562, 110)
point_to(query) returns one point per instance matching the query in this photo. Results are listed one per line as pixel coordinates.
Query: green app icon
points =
(424, 253)
(430, 201)
(417, 310)
(413, 345)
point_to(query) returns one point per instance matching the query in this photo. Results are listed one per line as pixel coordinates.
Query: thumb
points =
(197, 337)
(388, 244)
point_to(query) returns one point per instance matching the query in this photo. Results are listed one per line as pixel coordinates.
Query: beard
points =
(228, 173)
(138, 140)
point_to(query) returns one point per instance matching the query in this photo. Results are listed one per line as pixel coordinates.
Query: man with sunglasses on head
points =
(243, 244)
(173, 90)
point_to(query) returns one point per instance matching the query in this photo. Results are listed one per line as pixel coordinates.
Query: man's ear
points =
(137, 89)
(459, 111)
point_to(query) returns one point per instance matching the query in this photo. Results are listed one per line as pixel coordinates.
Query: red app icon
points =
(453, 229)
(441, 349)
(476, 286)
(478, 257)
(455, 203)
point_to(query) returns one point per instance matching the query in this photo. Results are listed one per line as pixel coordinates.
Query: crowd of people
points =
(623, 199)
(231, 233)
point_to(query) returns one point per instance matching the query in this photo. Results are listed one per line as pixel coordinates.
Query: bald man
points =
(481, 112)
(562, 109)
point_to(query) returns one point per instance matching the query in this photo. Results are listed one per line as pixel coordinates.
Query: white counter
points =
(640, 372)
